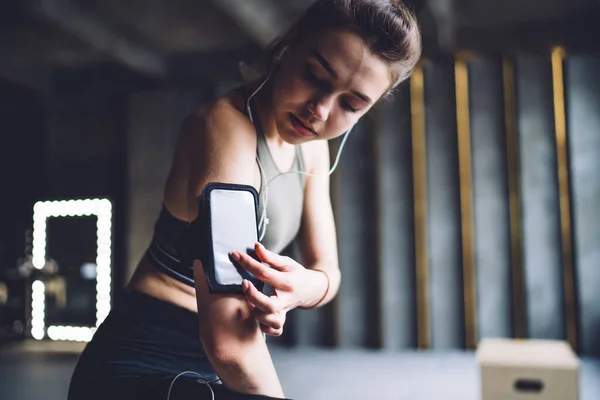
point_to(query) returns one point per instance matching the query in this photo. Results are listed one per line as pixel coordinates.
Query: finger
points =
(262, 272)
(274, 321)
(259, 299)
(270, 331)
(275, 260)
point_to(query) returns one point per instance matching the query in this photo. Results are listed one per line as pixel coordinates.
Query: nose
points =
(320, 107)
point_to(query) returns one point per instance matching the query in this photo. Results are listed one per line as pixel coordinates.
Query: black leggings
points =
(139, 349)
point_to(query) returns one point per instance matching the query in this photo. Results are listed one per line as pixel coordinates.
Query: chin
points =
(289, 134)
(291, 137)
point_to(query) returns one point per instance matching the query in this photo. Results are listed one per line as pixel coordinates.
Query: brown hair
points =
(388, 27)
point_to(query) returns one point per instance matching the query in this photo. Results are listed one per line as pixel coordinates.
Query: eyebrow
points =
(315, 53)
(362, 96)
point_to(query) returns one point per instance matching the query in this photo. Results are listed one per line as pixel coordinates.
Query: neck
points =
(264, 107)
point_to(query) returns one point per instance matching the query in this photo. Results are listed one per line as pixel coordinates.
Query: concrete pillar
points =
(358, 304)
(444, 222)
(490, 194)
(540, 202)
(396, 222)
(23, 168)
(583, 119)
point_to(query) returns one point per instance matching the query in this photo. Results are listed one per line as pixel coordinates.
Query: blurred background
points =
(467, 206)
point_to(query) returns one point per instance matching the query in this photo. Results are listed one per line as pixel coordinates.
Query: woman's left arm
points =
(317, 239)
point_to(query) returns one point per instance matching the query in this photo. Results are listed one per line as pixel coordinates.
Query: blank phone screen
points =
(233, 222)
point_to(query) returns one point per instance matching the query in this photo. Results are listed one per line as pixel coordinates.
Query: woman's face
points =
(325, 83)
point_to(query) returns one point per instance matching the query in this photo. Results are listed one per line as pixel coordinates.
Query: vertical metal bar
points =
(376, 293)
(558, 55)
(333, 308)
(461, 76)
(417, 109)
(514, 201)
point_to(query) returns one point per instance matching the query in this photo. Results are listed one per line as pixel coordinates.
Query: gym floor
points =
(41, 370)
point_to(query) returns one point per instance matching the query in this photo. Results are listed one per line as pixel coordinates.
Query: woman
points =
(325, 74)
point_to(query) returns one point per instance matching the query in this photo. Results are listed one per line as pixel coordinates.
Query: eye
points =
(348, 107)
(321, 83)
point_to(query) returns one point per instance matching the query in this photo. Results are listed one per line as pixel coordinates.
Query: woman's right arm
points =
(225, 144)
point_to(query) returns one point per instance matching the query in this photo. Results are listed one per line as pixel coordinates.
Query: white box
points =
(527, 370)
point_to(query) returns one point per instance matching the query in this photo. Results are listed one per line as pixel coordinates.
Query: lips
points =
(300, 127)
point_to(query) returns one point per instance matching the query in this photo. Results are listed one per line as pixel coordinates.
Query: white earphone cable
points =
(264, 220)
(200, 380)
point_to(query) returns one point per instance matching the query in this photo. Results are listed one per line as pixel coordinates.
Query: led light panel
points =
(102, 209)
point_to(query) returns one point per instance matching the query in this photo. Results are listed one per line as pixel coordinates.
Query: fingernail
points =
(235, 255)
(245, 285)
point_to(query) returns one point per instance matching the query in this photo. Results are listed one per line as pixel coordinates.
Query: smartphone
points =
(230, 213)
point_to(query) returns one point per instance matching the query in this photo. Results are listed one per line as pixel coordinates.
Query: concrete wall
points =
(583, 103)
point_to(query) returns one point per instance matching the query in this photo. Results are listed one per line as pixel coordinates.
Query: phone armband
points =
(227, 221)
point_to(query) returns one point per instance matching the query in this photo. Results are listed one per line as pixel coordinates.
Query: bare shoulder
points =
(221, 135)
(220, 121)
(221, 145)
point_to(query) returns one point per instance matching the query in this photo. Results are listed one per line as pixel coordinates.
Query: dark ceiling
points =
(153, 37)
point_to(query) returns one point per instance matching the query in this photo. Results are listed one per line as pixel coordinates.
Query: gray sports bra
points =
(284, 212)
(285, 196)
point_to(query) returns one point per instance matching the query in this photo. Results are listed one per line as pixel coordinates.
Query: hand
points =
(288, 279)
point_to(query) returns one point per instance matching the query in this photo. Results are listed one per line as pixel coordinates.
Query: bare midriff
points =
(147, 279)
